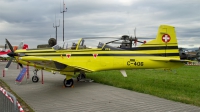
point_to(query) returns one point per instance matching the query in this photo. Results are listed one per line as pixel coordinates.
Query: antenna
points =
(56, 27)
(64, 10)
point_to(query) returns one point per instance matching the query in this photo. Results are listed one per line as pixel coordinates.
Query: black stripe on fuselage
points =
(158, 54)
(129, 49)
(152, 48)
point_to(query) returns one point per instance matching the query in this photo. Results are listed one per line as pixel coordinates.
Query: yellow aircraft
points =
(161, 52)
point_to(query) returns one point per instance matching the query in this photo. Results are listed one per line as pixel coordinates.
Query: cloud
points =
(32, 21)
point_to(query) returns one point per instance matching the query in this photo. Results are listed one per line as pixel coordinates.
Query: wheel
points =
(68, 83)
(80, 76)
(35, 79)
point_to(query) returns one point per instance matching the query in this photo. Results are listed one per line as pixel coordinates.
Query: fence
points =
(8, 102)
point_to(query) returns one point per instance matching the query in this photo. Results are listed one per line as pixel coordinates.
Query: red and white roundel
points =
(166, 38)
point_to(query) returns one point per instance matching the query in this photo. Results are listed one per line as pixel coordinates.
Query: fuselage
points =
(97, 59)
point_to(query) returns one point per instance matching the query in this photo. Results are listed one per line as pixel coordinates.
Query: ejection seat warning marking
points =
(68, 55)
(95, 55)
(21, 74)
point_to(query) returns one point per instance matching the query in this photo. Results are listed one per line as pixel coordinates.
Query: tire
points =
(35, 79)
(80, 76)
(68, 83)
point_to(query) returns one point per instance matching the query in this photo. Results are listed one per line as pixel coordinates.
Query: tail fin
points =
(25, 46)
(165, 42)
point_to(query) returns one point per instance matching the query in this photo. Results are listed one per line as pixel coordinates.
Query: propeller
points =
(135, 39)
(12, 54)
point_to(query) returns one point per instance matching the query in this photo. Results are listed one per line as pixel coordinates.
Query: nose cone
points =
(12, 54)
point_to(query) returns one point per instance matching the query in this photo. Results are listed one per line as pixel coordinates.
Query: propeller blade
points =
(8, 64)
(145, 38)
(9, 45)
(135, 41)
(140, 41)
(113, 41)
(98, 37)
(141, 38)
(121, 43)
(135, 31)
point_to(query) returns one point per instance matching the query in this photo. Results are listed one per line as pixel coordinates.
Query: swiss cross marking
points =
(68, 55)
(166, 38)
(95, 55)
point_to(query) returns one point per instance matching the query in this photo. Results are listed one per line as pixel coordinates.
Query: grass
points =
(182, 84)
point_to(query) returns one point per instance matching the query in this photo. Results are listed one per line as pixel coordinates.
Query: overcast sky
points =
(31, 21)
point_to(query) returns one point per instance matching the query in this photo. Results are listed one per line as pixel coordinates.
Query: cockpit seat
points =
(80, 47)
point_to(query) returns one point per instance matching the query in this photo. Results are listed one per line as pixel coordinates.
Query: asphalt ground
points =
(85, 96)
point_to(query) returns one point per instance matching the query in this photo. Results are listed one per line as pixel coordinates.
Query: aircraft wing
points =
(4, 56)
(82, 68)
(52, 64)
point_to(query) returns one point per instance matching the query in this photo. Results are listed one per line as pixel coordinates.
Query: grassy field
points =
(182, 84)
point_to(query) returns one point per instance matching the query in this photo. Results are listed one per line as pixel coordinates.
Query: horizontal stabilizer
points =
(171, 60)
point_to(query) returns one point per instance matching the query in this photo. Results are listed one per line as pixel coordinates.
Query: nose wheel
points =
(68, 83)
(35, 78)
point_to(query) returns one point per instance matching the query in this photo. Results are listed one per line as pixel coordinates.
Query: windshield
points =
(64, 45)
(78, 44)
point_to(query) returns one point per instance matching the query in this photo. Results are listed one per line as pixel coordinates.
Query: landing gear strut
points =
(81, 76)
(35, 78)
(68, 83)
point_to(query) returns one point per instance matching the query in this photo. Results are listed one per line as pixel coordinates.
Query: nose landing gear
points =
(35, 78)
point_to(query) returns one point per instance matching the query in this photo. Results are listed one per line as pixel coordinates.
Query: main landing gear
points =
(68, 83)
(81, 76)
(35, 78)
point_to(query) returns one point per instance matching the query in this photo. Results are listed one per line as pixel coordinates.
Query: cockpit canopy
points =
(75, 44)
(97, 43)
